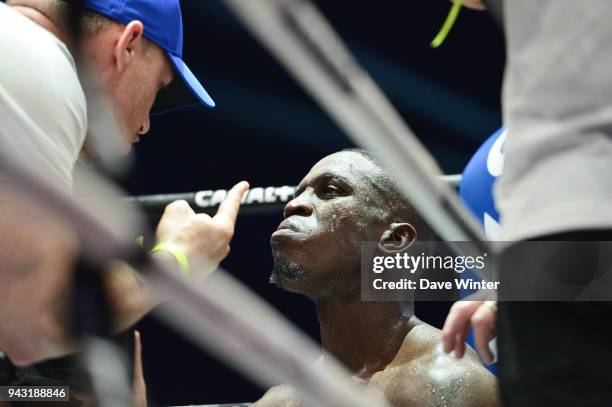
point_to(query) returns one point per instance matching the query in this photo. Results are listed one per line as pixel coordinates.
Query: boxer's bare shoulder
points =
(422, 374)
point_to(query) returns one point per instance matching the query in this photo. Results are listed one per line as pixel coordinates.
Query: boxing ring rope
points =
(258, 200)
(453, 180)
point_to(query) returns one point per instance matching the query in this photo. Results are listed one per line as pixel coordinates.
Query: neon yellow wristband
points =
(178, 254)
(448, 24)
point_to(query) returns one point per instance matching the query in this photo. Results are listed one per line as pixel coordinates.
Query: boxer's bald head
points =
(346, 198)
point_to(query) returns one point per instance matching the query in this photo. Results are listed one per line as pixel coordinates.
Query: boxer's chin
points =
(286, 274)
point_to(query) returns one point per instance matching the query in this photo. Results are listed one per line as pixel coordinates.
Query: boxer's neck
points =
(364, 336)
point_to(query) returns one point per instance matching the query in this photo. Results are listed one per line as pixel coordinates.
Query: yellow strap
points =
(448, 24)
(178, 254)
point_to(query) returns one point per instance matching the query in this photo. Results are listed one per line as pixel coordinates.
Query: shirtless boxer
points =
(345, 199)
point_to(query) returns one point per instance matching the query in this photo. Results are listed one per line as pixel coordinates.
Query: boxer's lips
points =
(286, 229)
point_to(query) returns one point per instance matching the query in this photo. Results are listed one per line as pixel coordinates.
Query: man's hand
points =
(473, 4)
(481, 315)
(204, 239)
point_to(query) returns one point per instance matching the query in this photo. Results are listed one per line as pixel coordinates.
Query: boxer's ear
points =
(128, 44)
(397, 237)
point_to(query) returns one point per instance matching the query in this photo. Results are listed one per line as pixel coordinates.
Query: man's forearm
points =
(130, 296)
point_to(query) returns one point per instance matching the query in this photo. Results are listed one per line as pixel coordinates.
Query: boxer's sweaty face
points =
(316, 248)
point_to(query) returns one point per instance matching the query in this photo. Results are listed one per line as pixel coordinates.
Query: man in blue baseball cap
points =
(133, 48)
(162, 25)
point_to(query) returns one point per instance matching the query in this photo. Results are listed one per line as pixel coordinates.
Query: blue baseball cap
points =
(163, 25)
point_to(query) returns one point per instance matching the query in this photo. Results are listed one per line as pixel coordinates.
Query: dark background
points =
(268, 131)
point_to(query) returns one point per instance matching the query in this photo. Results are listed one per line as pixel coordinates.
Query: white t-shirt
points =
(43, 111)
(558, 111)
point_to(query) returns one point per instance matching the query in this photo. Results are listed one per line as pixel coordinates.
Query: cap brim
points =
(191, 81)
